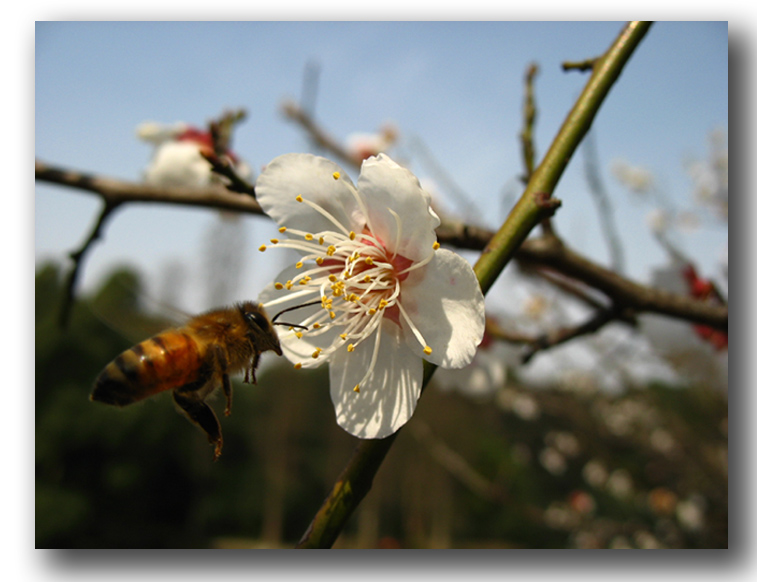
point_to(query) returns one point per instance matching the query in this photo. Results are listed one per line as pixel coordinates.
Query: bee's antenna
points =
(275, 317)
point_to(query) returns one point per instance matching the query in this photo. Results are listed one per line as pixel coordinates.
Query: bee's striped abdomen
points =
(163, 362)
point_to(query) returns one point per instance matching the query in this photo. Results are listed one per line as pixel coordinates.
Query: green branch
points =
(534, 205)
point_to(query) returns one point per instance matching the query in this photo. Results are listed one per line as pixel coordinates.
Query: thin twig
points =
(602, 200)
(78, 258)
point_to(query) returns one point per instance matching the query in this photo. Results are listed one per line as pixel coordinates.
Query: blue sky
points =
(455, 85)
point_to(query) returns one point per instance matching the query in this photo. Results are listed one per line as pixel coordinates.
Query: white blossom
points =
(384, 295)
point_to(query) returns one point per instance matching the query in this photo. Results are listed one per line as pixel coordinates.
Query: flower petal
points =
(383, 185)
(296, 349)
(316, 179)
(387, 398)
(444, 301)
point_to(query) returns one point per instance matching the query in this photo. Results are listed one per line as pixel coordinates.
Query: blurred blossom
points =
(586, 540)
(553, 461)
(710, 176)
(177, 159)
(535, 307)
(579, 382)
(594, 473)
(690, 513)
(662, 501)
(662, 441)
(635, 178)
(658, 221)
(563, 441)
(687, 221)
(560, 516)
(620, 543)
(582, 502)
(619, 484)
(362, 146)
(646, 541)
(526, 407)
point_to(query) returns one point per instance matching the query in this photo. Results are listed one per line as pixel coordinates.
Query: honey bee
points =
(193, 361)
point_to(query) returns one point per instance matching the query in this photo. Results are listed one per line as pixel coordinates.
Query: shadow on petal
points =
(387, 397)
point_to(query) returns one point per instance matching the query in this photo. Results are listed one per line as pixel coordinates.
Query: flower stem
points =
(534, 205)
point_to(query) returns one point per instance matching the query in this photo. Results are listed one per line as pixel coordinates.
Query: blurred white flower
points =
(177, 159)
(362, 146)
(386, 296)
(635, 178)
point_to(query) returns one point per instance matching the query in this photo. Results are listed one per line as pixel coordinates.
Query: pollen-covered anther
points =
(309, 236)
(278, 286)
(261, 248)
(427, 350)
(274, 241)
(336, 175)
(298, 198)
(351, 348)
(298, 365)
(298, 265)
(316, 353)
(436, 246)
(282, 229)
(356, 388)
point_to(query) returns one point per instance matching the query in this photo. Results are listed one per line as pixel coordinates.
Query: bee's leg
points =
(227, 393)
(202, 415)
(254, 365)
(220, 357)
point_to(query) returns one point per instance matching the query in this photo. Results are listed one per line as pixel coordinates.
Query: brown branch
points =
(551, 252)
(112, 190)
(563, 335)
(318, 134)
(586, 65)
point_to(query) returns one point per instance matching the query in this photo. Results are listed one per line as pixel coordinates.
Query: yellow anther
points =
(333, 278)
(316, 325)
(356, 388)
(343, 336)
(427, 350)
(274, 241)
(283, 229)
(383, 303)
(351, 348)
(278, 286)
(298, 265)
(319, 261)
(336, 175)
(352, 235)
(316, 353)
(332, 315)
(309, 236)
(289, 284)
(436, 245)
(261, 248)
(299, 198)
(298, 334)
(330, 250)
(367, 279)
(297, 366)
(369, 260)
(372, 311)
(321, 240)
